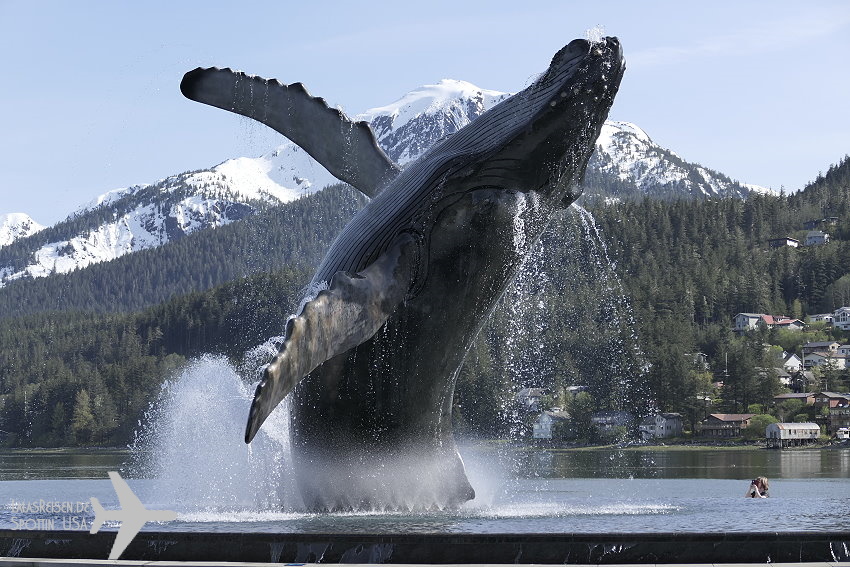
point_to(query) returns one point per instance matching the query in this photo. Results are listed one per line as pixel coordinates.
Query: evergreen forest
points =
(619, 298)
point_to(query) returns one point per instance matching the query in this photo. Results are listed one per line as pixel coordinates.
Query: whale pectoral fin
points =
(348, 150)
(348, 313)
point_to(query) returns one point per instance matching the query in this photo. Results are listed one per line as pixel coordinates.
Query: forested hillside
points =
(680, 271)
(295, 234)
(690, 266)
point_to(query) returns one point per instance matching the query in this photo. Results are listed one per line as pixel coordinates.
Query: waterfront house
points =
(544, 427)
(838, 419)
(791, 434)
(725, 424)
(661, 425)
(606, 420)
(843, 433)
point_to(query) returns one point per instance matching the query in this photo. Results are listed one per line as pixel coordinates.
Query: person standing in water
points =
(758, 488)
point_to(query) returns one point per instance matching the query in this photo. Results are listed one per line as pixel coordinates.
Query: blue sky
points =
(90, 100)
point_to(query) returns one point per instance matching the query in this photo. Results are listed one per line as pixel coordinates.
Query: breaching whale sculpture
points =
(412, 278)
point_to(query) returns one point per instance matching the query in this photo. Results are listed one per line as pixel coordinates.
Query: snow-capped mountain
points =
(413, 123)
(628, 161)
(16, 225)
(626, 164)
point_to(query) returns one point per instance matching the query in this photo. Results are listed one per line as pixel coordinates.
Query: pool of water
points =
(518, 491)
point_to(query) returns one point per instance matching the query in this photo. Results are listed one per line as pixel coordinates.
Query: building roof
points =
(555, 415)
(833, 395)
(826, 354)
(530, 392)
(794, 396)
(651, 418)
(806, 425)
(732, 416)
(817, 344)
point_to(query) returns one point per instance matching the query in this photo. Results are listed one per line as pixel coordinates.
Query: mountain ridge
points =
(627, 164)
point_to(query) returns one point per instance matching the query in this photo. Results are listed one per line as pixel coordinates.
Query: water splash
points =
(595, 35)
(191, 446)
(540, 350)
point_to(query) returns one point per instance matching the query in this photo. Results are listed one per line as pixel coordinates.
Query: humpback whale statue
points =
(372, 359)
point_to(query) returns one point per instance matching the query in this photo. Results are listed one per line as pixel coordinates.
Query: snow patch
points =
(16, 225)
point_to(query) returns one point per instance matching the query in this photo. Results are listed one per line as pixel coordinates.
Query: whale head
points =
(555, 121)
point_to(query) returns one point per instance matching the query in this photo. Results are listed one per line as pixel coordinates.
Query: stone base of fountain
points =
(655, 548)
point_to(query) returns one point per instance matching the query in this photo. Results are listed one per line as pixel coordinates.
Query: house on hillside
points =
(841, 318)
(821, 318)
(529, 398)
(831, 400)
(746, 322)
(811, 224)
(725, 424)
(807, 398)
(573, 391)
(660, 426)
(791, 434)
(784, 376)
(544, 426)
(784, 241)
(791, 362)
(827, 359)
(802, 380)
(749, 321)
(783, 322)
(820, 346)
(816, 238)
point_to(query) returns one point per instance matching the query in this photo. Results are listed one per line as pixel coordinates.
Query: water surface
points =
(518, 491)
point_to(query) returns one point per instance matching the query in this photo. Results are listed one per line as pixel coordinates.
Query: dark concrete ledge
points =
(688, 548)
